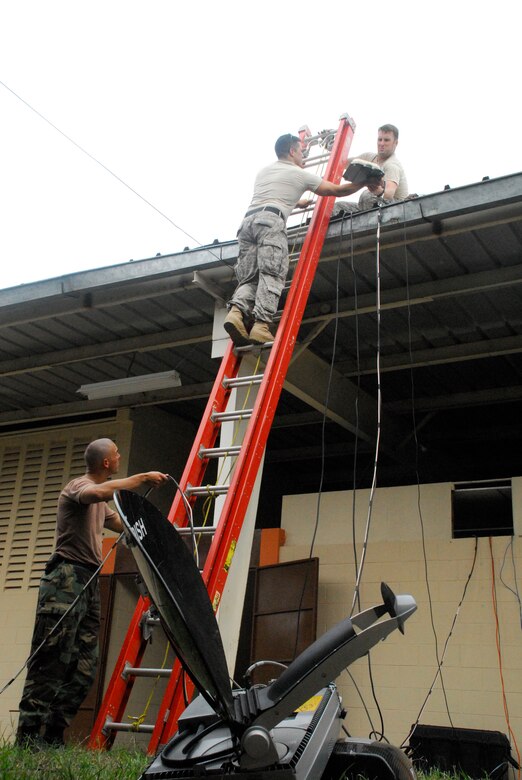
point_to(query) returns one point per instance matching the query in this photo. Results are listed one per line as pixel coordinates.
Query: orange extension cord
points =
(497, 637)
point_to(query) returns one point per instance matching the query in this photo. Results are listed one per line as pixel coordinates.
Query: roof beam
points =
(425, 292)
(454, 353)
(348, 307)
(54, 411)
(496, 395)
(312, 380)
(149, 342)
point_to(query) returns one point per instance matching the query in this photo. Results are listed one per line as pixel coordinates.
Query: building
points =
(443, 316)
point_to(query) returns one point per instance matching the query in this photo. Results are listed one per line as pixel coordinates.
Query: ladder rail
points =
(244, 474)
(206, 435)
(247, 464)
(134, 645)
(119, 688)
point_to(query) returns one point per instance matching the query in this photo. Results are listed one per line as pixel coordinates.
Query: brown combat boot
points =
(260, 333)
(235, 327)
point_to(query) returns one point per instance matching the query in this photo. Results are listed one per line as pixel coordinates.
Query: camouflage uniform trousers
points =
(369, 201)
(262, 265)
(63, 670)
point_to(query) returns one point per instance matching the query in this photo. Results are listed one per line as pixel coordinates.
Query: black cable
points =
(188, 510)
(515, 592)
(350, 675)
(417, 473)
(78, 597)
(357, 394)
(440, 663)
(377, 734)
(327, 394)
(360, 569)
(62, 618)
(323, 439)
(323, 442)
(94, 159)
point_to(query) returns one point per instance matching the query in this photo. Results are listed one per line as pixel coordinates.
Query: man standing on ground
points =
(63, 670)
(262, 263)
(394, 185)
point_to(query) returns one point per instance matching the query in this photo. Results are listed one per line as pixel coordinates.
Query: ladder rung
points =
(207, 490)
(316, 159)
(146, 728)
(253, 347)
(140, 671)
(206, 530)
(241, 381)
(219, 452)
(242, 414)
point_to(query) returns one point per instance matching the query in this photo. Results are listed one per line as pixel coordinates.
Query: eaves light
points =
(131, 384)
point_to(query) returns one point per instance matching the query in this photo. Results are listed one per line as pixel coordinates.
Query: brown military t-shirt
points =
(79, 527)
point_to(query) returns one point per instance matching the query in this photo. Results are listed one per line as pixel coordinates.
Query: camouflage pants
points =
(369, 201)
(63, 670)
(262, 265)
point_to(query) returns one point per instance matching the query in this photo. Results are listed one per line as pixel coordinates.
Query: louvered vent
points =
(31, 477)
(9, 464)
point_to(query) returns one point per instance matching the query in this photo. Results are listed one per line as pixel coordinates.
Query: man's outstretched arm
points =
(104, 491)
(338, 190)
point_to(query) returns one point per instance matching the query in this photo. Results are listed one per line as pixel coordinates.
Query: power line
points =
(95, 159)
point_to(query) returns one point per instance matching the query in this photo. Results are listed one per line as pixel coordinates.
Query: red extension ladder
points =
(238, 492)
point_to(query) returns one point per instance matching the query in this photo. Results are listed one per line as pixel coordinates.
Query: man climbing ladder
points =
(262, 264)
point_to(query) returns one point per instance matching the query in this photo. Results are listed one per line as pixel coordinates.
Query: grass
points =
(70, 763)
(75, 763)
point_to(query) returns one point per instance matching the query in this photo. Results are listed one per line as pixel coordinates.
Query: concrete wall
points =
(404, 667)
(160, 442)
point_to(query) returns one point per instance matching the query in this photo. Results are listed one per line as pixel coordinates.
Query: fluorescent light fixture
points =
(131, 384)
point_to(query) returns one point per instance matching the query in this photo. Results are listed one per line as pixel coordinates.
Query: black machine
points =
(363, 172)
(287, 729)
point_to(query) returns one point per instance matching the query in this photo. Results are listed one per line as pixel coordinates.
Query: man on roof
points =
(394, 185)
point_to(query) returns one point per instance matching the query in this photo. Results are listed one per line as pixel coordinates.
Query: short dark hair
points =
(284, 143)
(390, 129)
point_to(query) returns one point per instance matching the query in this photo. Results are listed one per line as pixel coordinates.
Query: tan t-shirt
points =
(79, 527)
(281, 184)
(393, 171)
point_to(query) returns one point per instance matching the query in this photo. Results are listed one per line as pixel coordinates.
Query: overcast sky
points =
(184, 100)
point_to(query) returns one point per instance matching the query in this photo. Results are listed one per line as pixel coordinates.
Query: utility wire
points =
(441, 661)
(499, 653)
(514, 591)
(115, 175)
(357, 394)
(327, 397)
(53, 629)
(356, 593)
(417, 476)
(188, 509)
